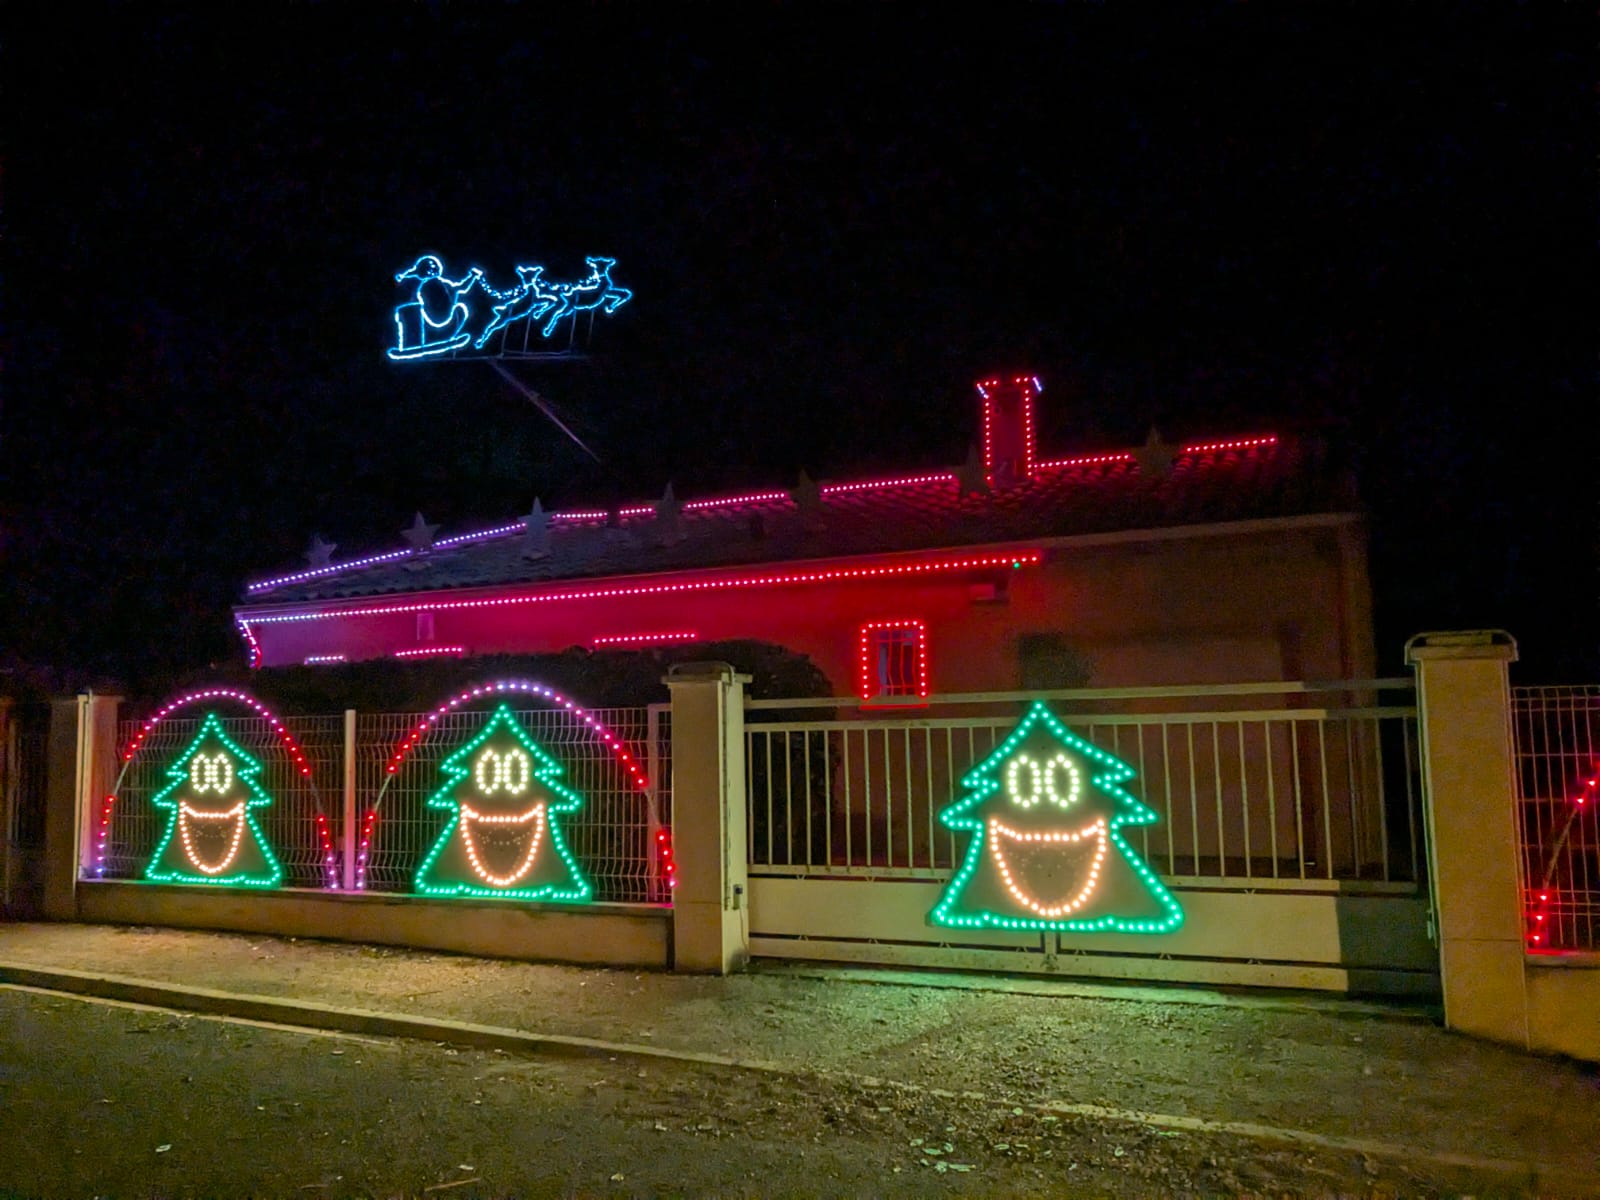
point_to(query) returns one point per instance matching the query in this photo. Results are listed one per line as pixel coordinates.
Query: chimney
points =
(1008, 452)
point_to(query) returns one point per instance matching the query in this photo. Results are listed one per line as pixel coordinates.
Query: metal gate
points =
(1289, 827)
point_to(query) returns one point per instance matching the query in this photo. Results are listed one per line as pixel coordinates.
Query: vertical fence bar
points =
(1194, 803)
(849, 819)
(348, 818)
(1216, 776)
(1299, 798)
(1272, 800)
(1327, 810)
(888, 803)
(805, 743)
(1244, 801)
(1411, 804)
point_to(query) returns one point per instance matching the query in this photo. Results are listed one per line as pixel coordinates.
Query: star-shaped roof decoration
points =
(320, 553)
(420, 535)
(1155, 457)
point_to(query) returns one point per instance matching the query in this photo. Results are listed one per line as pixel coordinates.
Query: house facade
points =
(1231, 559)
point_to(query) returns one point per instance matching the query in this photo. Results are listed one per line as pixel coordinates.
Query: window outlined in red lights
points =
(893, 663)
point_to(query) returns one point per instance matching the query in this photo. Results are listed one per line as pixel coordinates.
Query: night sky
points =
(1373, 228)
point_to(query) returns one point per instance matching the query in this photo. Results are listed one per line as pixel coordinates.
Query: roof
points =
(1151, 487)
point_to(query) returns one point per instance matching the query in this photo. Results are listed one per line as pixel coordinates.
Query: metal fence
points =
(300, 825)
(381, 824)
(612, 835)
(1557, 733)
(1251, 782)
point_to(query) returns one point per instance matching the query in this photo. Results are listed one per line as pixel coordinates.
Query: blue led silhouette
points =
(597, 291)
(439, 317)
(529, 300)
(433, 321)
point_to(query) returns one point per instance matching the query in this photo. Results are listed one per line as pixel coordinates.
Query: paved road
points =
(108, 1099)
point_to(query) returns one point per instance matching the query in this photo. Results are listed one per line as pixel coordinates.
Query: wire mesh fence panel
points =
(611, 835)
(300, 826)
(1557, 732)
(1318, 794)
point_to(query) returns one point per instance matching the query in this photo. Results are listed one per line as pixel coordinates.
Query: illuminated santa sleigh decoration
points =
(1045, 813)
(469, 317)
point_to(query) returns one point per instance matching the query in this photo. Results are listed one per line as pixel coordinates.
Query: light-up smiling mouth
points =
(205, 831)
(502, 836)
(1006, 842)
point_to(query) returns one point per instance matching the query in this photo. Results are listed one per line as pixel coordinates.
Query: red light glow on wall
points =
(1016, 561)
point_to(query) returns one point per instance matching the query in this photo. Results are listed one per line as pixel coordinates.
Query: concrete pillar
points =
(710, 910)
(81, 768)
(1464, 710)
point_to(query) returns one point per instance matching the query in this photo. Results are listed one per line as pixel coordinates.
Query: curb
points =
(275, 1009)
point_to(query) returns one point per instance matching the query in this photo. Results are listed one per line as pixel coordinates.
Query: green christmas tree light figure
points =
(502, 840)
(211, 834)
(1045, 812)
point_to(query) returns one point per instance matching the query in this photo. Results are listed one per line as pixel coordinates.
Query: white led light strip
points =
(212, 773)
(471, 816)
(493, 772)
(1044, 782)
(999, 831)
(234, 814)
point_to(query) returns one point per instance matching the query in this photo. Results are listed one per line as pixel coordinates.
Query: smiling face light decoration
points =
(211, 834)
(504, 837)
(1045, 813)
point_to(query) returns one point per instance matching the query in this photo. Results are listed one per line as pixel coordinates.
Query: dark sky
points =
(1378, 228)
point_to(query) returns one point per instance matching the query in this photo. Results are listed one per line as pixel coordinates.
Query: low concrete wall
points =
(614, 935)
(1564, 1005)
(1340, 939)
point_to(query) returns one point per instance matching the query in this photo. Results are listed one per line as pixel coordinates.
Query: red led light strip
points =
(1250, 443)
(866, 681)
(669, 868)
(777, 579)
(1545, 896)
(104, 832)
(364, 848)
(431, 652)
(1086, 460)
(641, 639)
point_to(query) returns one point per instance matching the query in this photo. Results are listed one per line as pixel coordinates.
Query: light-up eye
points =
(509, 772)
(1028, 782)
(213, 773)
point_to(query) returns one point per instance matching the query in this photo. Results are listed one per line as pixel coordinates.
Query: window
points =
(894, 661)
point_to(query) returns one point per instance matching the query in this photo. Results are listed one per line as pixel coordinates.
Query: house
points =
(1236, 558)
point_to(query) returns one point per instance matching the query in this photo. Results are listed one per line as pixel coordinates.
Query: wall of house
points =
(1271, 600)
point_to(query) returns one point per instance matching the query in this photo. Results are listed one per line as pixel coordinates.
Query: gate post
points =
(710, 917)
(82, 766)
(1464, 712)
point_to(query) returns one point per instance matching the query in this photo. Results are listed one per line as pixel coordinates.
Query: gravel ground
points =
(1310, 1064)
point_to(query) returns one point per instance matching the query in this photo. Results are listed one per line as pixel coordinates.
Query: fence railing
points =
(350, 823)
(1253, 783)
(1557, 732)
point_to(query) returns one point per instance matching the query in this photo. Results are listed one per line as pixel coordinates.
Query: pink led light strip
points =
(642, 639)
(499, 687)
(431, 652)
(834, 489)
(138, 740)
(1021, 559)
(751, 498)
